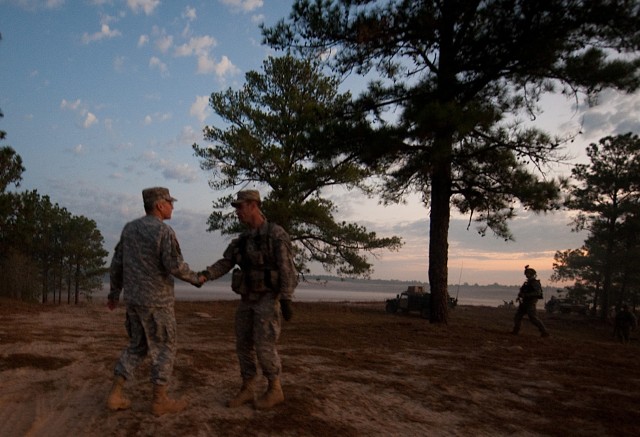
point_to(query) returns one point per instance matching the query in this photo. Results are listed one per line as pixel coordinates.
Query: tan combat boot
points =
(272, 397)
(163, 404)
(245, 395)
(117, 400)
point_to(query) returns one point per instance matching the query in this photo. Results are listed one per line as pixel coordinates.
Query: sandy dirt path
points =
(349, 370)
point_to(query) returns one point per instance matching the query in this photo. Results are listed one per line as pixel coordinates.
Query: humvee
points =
(413, 299)
(566, 306)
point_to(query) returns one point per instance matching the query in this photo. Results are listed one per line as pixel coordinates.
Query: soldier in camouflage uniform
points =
(528, 297)
(624, 323)
(144, 262)
(265, 281)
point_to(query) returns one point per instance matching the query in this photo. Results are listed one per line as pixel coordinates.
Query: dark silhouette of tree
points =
(272, 127)
(606, 193)
(458, 76)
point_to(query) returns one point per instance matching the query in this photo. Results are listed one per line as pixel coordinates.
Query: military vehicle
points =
(566, 306)
(413, 299)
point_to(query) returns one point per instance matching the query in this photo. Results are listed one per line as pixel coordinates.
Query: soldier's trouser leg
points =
(533, 317)
(163, 344)
(517, 321)
(137, 349)
(244, 320)
(153, 332)
(266, 332)
(267, 327)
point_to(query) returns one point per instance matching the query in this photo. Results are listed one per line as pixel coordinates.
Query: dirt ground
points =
(349, 370)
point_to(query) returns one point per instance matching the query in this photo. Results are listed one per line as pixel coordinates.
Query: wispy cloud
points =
(199, 108)
(156, 118)
(156, 63)
(189, 13)
(164, 43)
(223, 68)
(171, 170)
(38, 5)
(243, 5)
(143, 40)
(146, 6)
(105, 33)
(89, 118)
(196, 46)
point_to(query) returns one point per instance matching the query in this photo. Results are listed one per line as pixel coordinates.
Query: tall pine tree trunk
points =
(439, 230)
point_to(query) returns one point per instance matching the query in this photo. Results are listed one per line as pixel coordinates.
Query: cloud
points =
(201, 47)
(143, 40)
(156, 63)
(243, 5)
(223, 68)
(89, 120)
(157, 117)
(118, 63)
(189, 13)
(78, 150)
(147, 6)
(196, 46)
(170, 170)
(199, 108)
(37, 5)
(180, 172)
(615, 113)
(65, 104)
(164, 43)
(104, 33)
(77, 106)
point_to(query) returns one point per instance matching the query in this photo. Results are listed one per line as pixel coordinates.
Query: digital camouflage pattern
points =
(269, 275)
(145, 261)
(257, 328)
(152, 332)
(267, 248)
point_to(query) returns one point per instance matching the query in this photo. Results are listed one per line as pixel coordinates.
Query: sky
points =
(103, 98)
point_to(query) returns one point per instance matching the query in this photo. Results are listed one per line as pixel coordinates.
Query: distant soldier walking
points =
(528, 297)
(625, 322)
(265, 281)
(145, 260)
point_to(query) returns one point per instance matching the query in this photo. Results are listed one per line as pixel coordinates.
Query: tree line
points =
(46, 252)
(443, 117)
(606, 195)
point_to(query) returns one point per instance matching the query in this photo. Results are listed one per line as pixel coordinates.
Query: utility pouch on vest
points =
(257, 281)
(237, 281)
(272, 278)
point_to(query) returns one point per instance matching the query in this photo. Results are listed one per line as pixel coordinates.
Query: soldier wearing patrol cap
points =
(528, 297)
(265, 280)
(145, 260)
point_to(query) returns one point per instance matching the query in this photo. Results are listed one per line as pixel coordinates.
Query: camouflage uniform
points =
(529, 294)
(268, 276)
(145, 260)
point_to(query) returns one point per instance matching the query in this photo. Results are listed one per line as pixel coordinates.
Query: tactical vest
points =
(258, 270)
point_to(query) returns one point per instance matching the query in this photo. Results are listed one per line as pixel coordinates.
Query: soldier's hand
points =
(287, 311)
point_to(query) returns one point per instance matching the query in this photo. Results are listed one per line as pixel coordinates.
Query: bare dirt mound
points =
(349, 370)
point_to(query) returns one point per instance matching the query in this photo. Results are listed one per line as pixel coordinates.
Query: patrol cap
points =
(151, 195)
(246, 196)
